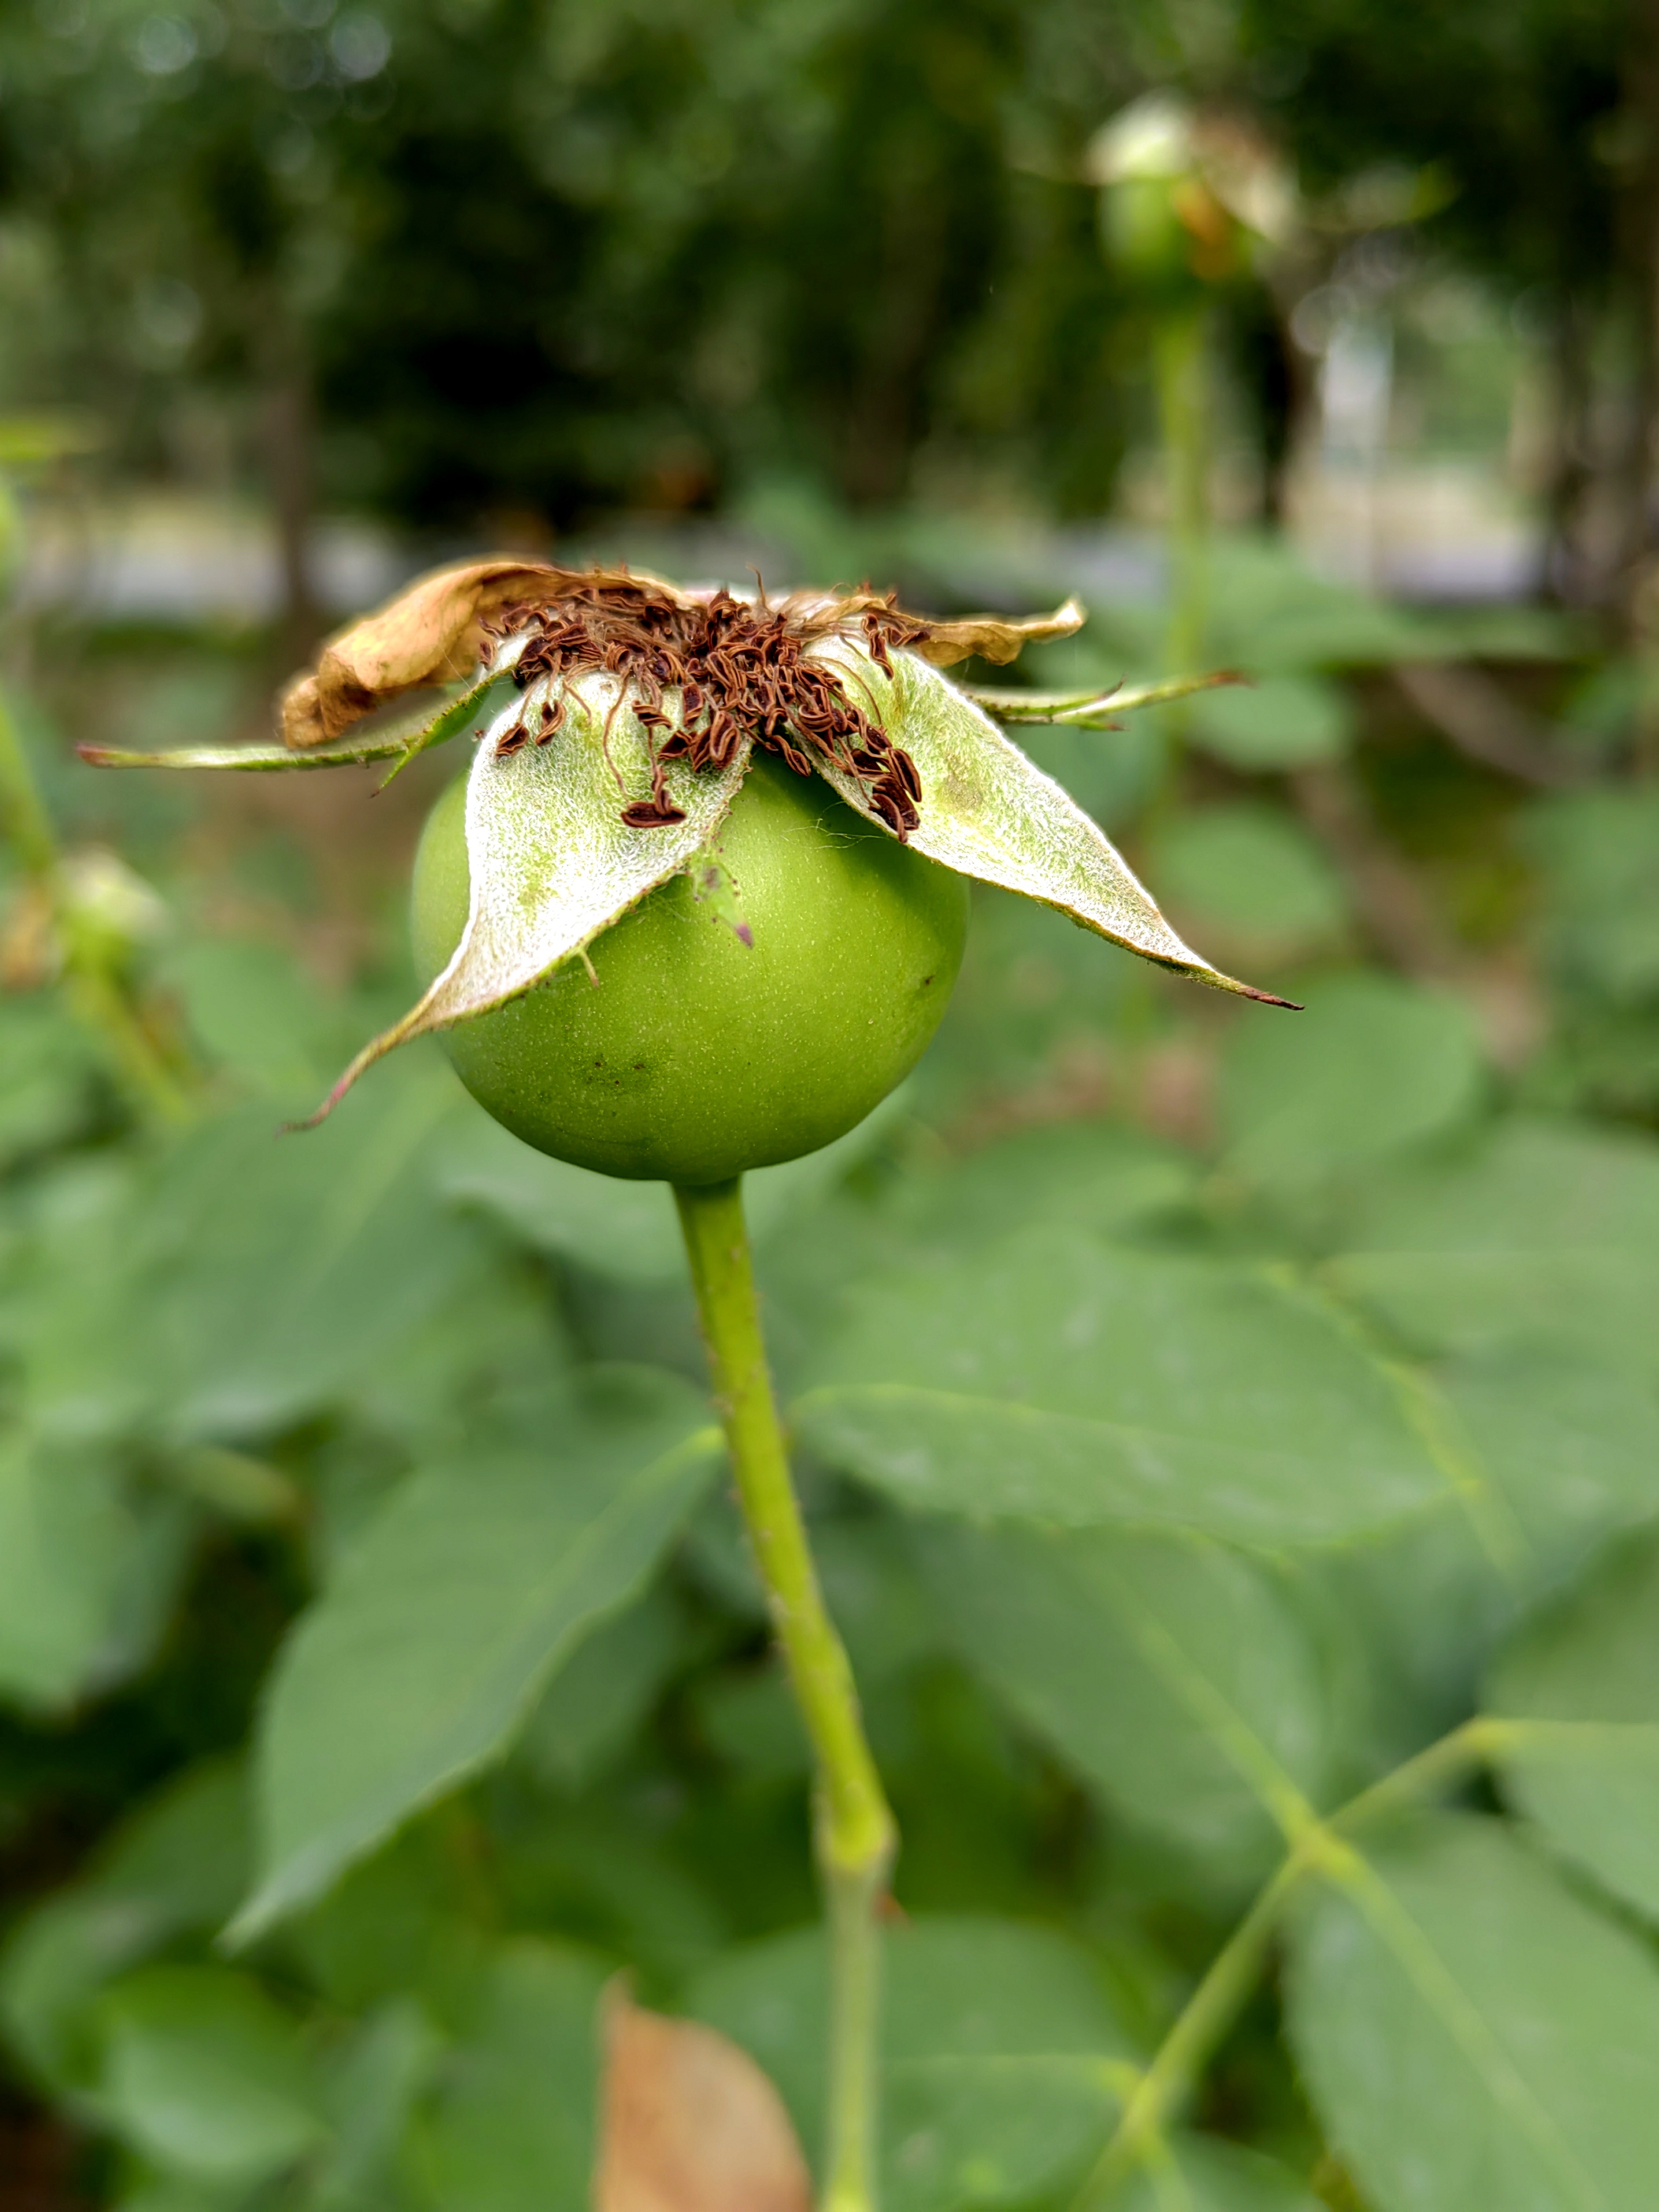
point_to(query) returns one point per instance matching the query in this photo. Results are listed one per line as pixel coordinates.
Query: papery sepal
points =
(987, 811)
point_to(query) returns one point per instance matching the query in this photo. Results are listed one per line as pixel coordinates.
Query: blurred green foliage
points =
(1183, 1461)
(1203, 1415)
(535, 257)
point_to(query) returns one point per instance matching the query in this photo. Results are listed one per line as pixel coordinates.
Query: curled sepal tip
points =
(987, 811)
(551, 859)
(432, 633)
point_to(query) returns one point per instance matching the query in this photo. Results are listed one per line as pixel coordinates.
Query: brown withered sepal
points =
(737, 667)
(706, 676)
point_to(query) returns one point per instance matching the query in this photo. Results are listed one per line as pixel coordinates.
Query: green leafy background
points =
(1231, 1438)
(1263, 1499)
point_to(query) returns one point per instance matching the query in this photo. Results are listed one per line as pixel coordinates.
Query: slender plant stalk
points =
(96, 996)
(23, 817)
(1214, 2005)
(855, 1833)
(1183, 408)
(1181, 359)
(1204, 2020)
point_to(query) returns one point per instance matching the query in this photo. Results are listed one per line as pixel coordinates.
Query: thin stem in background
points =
(855, 1832)
(24, 821)
(1182, 359)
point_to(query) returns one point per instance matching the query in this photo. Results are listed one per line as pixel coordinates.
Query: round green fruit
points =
(698, 1057)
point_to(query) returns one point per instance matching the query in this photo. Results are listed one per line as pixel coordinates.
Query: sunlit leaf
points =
(510, 2127)
(442, 1625)
(1177, 1677)
(987, 812)
(1050, 1377)
(1545, 1231)
(1587, 1672)
(1384, 1065)
(552, 862)
(1473, 2034)
(205, 2074)
(1003, 2059)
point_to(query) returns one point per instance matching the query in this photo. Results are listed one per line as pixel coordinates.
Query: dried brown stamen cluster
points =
(705, 676)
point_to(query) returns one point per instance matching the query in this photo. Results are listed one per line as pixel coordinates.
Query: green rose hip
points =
(699, 1056)
(750, 823)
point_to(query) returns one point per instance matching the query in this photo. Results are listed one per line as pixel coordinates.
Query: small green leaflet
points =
(400, 741)
(445, 1622)
(1092, 710)
(1472, 2032)
(1577, 1693)
(205, 2075)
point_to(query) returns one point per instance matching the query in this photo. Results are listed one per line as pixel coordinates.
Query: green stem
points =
(96, 996)
(1215, 2002)
(23, 818)
(855, 1833)
(1180, 360)
(1204, 2020)
(1446, 1760)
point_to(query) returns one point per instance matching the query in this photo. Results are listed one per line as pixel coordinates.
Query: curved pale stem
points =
(855, 1832)
(1181, 362)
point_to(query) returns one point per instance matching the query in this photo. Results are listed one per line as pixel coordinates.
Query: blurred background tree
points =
(528, 259)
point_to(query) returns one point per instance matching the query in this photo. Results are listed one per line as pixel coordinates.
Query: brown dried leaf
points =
(430, 634)
(991, 637)
(689, 2123)
(987, 811)
(435, 632)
